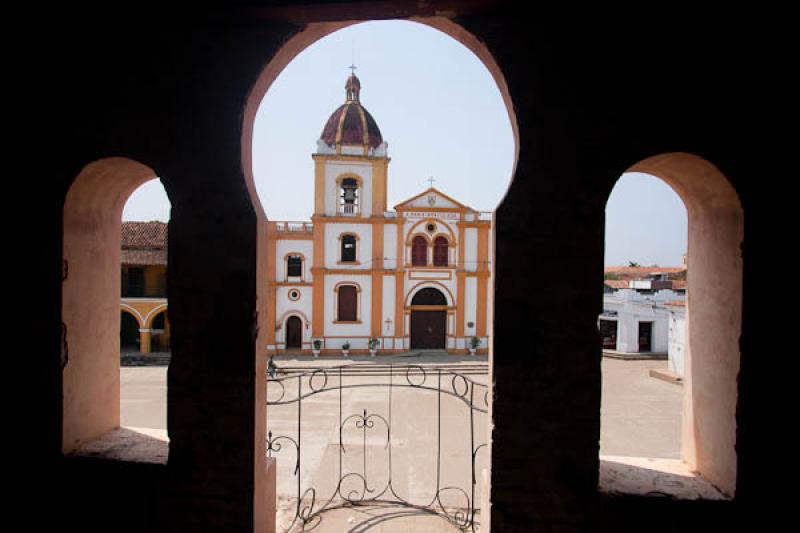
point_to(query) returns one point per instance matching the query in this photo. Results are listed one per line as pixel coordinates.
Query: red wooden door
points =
(428, 330)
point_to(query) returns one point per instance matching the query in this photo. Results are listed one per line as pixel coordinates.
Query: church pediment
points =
(430, 199)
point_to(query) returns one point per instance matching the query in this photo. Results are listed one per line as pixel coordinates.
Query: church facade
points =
(359, 275)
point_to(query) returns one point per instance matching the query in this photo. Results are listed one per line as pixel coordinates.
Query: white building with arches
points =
(413, 278)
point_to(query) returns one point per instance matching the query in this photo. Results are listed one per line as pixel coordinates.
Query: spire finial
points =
(353, 86)
(431, 180)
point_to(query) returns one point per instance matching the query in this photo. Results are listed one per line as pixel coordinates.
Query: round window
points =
(431, 227)
(294, 295)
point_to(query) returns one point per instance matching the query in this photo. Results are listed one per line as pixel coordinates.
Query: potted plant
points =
(474, 342)
(316, 347)
(373, 346)
(346, 348)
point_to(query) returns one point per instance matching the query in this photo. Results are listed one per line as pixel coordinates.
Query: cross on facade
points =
(431, 180)
(352, 69)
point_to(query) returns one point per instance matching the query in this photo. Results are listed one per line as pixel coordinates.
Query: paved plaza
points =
(432, 435)
(640, 415)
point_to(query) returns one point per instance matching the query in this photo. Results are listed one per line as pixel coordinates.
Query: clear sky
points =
(646, 222)
(442, 115)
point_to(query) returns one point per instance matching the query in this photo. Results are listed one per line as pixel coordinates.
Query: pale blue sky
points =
(442, 116)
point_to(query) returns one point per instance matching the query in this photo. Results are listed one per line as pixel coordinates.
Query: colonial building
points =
(416, 277)
(143, 304)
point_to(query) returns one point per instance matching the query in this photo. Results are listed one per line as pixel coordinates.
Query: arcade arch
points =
(713, 315)
(91, 309)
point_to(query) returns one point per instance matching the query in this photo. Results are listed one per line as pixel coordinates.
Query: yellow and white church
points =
(415, 278)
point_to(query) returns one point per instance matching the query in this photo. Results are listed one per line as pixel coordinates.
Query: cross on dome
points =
(352, 126)
(353, 85)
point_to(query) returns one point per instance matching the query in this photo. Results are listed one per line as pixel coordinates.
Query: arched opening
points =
(384, 249)
(348, 198)
(91, 297)
(429, 320)
(294, 266)
(419, 251)
(294, 333)
(429, 296)
(707, 350)
(129, 332)
(347, 303)
(348, 249)
(441, 249)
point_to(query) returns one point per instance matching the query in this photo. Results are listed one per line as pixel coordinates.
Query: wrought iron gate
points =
(355, 484)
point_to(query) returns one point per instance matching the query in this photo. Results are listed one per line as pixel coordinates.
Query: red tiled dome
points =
(351, 123)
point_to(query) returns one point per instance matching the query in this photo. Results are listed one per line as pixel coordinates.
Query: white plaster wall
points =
(335, 169)
(677, 342)
(390, 245)
(352, 149)
(348, 331)
(471, 249)
(388, 305)
(629, 314)
(407, 224)
(422, 202)
(364, 245)
(284, 305)
(470, 305)
(283, 247)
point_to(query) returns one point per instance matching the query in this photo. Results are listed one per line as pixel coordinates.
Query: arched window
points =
(419, 251)
(294, 266)
(348, 201)
(348, 249)
(347, 304)
(440, 251)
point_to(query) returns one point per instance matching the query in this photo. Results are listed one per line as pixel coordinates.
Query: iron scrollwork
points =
(356, 485)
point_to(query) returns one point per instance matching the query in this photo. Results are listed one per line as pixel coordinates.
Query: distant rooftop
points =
(641, 272)
(144, 243)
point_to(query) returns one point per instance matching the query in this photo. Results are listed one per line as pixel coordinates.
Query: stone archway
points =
(714, 314)
(92, 226)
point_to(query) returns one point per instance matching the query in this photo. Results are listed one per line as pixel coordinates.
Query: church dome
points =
(351, 124)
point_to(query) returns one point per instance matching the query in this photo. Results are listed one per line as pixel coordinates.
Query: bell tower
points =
(351, 161)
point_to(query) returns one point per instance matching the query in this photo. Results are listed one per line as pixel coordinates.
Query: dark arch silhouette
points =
(429, 296)
(129, 331)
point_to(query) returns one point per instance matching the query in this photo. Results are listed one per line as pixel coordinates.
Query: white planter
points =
(345, 352)
(315, 352)
(472, 351)
(373, 351)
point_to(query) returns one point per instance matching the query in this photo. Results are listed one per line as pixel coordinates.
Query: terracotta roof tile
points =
(616, 283)
(144, 243)
(144, 257)
(144, 235)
